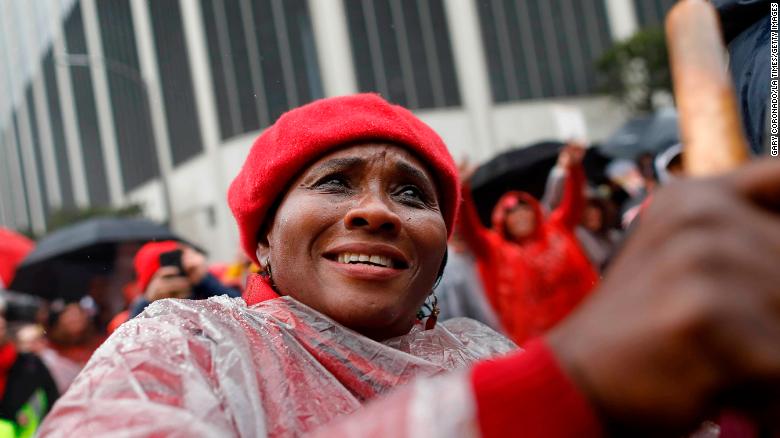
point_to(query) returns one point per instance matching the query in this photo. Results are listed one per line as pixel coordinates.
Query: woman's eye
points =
(411, 193)
(332, 183)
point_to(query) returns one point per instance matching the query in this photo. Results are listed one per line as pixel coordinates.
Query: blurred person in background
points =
(645, 165)
(72, 338)
(31, 338)
(460, 292)
(27, 390)
(746, 32)
(174, 270)
(234, 274)
(533, 269)
(626, 175)
(598, 239)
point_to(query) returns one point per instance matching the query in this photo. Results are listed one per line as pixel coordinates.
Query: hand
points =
(687, 320)
(466, 170)
(194, 264)
(168, 283)
(571, 155)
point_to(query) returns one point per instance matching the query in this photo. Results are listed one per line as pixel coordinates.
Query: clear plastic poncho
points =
(220, 368)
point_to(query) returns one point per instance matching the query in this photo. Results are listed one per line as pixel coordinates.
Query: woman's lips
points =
(364, 271)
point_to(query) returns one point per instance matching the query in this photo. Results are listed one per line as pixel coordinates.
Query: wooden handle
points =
(710, 125)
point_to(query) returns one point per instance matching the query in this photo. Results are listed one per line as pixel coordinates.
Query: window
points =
(542, 48)
(57, 131)
(84, 97)
(132, 121)
(402, 50)
(263, 60)
(175, 80)
(37, 152)
(652, 13)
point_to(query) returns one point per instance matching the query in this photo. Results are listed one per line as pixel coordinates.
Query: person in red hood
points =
(533, 268)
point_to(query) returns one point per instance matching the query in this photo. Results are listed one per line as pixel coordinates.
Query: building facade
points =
(157, 102)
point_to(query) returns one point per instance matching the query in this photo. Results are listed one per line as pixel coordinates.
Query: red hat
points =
(304, 134)
(147, 260)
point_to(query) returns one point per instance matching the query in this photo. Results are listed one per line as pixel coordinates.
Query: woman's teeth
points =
(366, 258)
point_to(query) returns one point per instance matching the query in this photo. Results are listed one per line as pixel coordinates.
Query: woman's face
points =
(359, 237)
(521, 222)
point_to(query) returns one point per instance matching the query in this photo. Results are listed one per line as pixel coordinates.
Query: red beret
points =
(304, 134)
(147, 260)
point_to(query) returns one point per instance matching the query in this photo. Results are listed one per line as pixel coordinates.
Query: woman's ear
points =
(263, 251)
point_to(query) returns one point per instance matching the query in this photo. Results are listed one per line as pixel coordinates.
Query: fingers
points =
(466, 170)
(194, 264)
(167, 271)
(760, 181)
(168, 282)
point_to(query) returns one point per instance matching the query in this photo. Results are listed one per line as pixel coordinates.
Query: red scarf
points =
(7, 359)
(258, 290)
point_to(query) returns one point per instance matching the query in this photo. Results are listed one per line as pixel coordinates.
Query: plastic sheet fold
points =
(219, 368)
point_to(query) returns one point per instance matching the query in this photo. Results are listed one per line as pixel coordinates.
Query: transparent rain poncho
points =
(220, 368)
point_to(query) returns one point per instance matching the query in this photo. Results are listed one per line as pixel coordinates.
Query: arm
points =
(470, 228)
(569, 211)
(553, 189)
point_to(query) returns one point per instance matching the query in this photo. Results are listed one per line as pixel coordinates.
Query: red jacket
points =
(536, 282)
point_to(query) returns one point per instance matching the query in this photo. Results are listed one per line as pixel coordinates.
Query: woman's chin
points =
(377, 323)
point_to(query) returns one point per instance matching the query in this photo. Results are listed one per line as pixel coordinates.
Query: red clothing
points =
(527, 394)
(118, 319)
(536, 282)
(7, 359)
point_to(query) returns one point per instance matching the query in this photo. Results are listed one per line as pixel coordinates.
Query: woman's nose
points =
(374, 215)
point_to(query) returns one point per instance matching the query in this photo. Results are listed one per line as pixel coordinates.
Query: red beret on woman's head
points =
(304, 134)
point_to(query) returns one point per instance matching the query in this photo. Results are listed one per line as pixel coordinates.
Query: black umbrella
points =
(65, 263)
(523, 169)
(653, 133)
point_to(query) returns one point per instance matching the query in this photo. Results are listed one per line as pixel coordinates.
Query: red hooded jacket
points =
(536, 282)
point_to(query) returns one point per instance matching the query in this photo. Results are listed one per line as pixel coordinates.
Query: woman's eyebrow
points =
(337, 164)
(413, 172)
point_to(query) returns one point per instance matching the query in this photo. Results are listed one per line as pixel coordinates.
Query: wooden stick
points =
(710, 125)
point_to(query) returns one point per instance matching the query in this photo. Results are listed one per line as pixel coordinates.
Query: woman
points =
(346, 203)
(532, 266)
(599, 240)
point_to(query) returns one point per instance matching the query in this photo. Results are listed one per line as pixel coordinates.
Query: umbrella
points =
(653, 133)
(13, 248)
(524, 168)
(66, 263)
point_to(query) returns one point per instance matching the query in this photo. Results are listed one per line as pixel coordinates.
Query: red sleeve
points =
(527, 394)
(569, 211)
(470, 228)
